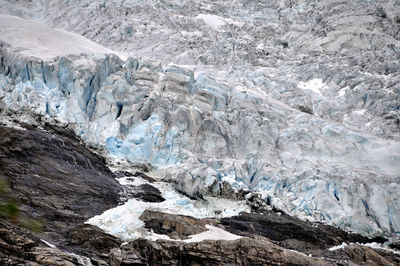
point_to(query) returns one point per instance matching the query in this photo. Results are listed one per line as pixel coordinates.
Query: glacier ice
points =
(123, 221)
(314, 138)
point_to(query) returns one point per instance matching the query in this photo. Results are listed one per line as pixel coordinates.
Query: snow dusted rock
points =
(296, 101)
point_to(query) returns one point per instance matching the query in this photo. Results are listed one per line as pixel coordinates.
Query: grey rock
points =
(55, 178)
(292, 233)
(144, 192)
(244, 251)
(369, 256)
(175, 226)
(19, 247)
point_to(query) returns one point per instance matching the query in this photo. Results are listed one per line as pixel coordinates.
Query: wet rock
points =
(145, 192)
(175, 226)
(54, 178)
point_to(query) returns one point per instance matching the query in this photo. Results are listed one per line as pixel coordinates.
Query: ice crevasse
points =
(212, 131)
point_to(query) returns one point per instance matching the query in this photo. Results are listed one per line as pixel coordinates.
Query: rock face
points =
(244, 251)
(19, 247)
(54, 178)
(290, 232)
(263, 231)
(92, 242)
(175, 226)
(369, 256)
(145, 193)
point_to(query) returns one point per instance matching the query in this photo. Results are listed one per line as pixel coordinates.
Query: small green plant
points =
(9, 209)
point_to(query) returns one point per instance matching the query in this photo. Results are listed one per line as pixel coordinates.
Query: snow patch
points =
(343, 245)
(314, 85)
(343, 91)
(360, 112)
(213, 233)
(212, 21)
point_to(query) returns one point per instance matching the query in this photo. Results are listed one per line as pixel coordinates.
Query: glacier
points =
(315, 135)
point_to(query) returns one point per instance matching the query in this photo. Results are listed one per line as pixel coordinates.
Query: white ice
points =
(212, 21)
(314, 85)
(123, 221)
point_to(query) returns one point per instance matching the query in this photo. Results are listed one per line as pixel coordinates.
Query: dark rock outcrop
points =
(136, 174)
(175, 226)
(290, 232)
(244, 251)
(267, 227)
(55, 179)
(395, 245)
(145, 192)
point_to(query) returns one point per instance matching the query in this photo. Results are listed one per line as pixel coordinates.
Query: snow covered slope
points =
(298, 102)
(35, 39)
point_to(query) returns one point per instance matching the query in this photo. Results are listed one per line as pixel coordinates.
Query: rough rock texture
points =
(290, 232)
(369, 256)
(136, 174)
(244, 251)
(144, 192)
(270, 227)
(20, 247)
(92, 242)
(54, 178)
(175, 226)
